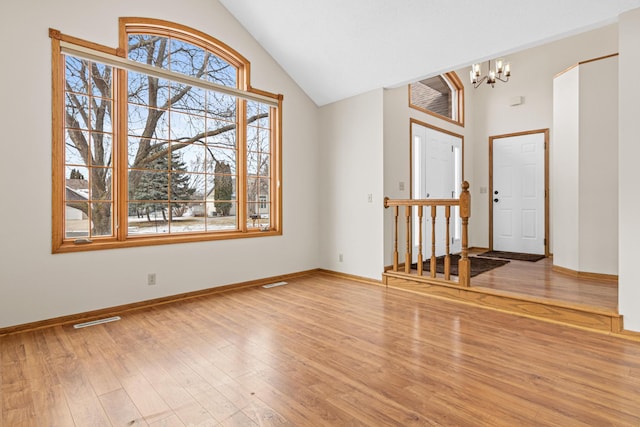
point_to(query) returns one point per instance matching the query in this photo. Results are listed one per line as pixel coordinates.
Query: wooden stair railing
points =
(464, 264)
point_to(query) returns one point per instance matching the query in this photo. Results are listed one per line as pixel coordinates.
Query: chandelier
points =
(503, 69)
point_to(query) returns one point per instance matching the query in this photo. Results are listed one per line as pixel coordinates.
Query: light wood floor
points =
(320, 351)
(537, 279)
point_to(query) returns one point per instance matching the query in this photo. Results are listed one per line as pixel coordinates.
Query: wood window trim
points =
(119, 239)
(455, 81)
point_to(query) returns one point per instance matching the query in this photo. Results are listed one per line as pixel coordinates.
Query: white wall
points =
(598, 166)
(351, 169)
(629, 173)
(533, 71)
(585, 184)
(36, 285)
(565, 182)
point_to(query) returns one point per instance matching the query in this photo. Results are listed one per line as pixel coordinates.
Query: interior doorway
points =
(436, 173)
(519, 192)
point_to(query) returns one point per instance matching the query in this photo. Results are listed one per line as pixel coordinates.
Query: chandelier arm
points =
(502, 80)
(479, 82)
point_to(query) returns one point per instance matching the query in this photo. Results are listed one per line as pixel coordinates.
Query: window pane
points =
(148, 218)
(264, 191)
(101, 182)
(147, 90)
(256, 109)
(88, 149)
(101, 115)
(198, 210)
(262, 121)
(258, 190)
(440, 95)
(221, 194)
(258, 147)
(192, 100)
(199, 183)
(77, 111)
(149, 185)
(76, 75)
(433, 94)
(221, 134)
(76, 147)
(101, 219)
(257, 164)
(221, 161)
(184, 219)
(139, 150)
(258, 217)
(149, 49)
(137, 119)
(153, 155)
(217, 220)
(101, 149)
(221, 72)
(76, 218)
(221, 106)
(77, 183)
(148, 122)
(101, 80)
(190, 157)
(186, 127)
(258, 140)
(183, 185)
(187, 59)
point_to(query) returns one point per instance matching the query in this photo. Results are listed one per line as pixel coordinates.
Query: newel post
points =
(464, 264)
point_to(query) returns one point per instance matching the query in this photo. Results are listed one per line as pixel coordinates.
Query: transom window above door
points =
(441, 96)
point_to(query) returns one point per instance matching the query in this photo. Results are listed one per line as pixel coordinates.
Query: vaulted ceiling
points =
(335, 49)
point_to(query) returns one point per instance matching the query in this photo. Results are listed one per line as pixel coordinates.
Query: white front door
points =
(437, 174)
(518, 193)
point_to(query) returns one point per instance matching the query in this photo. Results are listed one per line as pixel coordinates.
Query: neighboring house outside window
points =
(441, 96)
(168, 145)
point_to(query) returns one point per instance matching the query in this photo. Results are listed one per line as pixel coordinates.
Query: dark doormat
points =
(478, 265)
(512, 255)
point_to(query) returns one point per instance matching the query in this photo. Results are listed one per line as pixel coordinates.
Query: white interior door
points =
(437, 174)
(518, 194)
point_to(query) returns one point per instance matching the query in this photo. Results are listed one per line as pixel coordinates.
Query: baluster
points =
(420, 266)
(395, 239)
(464, 265)
(433, 242)
(407, 254)
(447, 259)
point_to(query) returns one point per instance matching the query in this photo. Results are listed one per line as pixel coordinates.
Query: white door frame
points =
(546, 183)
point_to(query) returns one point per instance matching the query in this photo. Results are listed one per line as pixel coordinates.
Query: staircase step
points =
(575, 315)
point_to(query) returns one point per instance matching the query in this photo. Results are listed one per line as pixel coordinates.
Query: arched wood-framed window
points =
(161, 140)
(441, 96)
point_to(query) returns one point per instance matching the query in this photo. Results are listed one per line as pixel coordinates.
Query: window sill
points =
(68, 246)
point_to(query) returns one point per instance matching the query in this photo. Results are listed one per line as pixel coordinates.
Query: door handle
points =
(495, 192)
(495, 200)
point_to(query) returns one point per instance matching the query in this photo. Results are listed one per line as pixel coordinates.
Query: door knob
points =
(495, 192)
(495, 200)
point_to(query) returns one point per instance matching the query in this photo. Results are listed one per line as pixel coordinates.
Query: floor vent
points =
(96, 322)
(273, 285)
